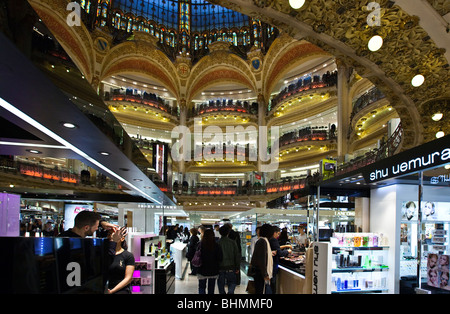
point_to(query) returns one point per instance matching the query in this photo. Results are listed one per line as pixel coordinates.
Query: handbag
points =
(197, 259)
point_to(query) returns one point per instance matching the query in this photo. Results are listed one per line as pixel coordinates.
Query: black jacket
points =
(210, 261)
(192, 246)
(259, 257)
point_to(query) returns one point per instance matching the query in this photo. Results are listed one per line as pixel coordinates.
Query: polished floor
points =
(189, 284)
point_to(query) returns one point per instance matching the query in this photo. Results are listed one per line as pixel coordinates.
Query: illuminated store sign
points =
(429, 155)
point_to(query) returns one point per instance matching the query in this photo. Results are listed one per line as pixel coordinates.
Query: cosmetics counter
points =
(154, 266)
(351, 263)
(295, 273)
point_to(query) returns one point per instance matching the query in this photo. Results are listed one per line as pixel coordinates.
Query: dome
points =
(187, 26)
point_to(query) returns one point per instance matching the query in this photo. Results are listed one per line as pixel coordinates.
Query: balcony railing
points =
(327, 80)
(370, 97)
(387, 149)
(225, 105)
(247, 189)
(145, 99)
(317, 133)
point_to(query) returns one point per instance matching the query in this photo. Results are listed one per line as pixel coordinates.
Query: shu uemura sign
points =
(426, 156)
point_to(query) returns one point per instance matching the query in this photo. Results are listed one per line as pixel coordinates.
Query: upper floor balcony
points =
(303, 86)
(225, 106)
(141, 98)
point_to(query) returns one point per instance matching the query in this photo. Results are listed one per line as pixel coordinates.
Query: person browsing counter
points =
(277, 252)
(262, 261)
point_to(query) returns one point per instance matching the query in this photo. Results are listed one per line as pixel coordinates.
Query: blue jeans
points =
(202, 285)
(229, 278)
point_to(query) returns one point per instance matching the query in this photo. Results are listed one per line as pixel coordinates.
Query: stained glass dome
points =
(182, 25)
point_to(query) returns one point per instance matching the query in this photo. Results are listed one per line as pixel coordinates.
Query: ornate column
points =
(344, 108)
(183, 117)
(262, 136)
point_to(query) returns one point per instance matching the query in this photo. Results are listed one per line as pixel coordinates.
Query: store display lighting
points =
(375, 43)
(104, 153)
(417, 80)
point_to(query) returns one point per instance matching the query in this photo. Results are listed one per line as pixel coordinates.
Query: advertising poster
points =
(438, 271)
(71, 210)
(431, 211)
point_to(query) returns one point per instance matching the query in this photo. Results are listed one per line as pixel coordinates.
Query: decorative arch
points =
(76, 41)
(288, 58)
(143, 58)
(219, 65)
(215, 76)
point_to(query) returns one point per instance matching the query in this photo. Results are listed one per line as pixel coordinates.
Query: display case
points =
(352, 263)
(152, 263)
(295, 261)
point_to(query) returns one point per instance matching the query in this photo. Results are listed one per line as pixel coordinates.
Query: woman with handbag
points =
(262, 261)
(210, 257)
(192, 247)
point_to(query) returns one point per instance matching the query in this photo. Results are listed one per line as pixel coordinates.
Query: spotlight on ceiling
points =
(296, 4)
(375, 43)
(440, 134)
(437, 116)
(417, 80)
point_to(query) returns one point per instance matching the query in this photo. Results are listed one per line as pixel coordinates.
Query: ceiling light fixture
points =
(440, 134)
(69, 125)
(296, 4)
(417, 80)
(375, 43)
(104, 153)
(34, 151)
(437, 116)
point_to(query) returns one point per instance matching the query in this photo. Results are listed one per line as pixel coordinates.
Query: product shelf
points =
(376, 290)
(359, 269)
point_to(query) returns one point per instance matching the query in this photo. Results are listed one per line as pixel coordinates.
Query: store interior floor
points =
(189, 283)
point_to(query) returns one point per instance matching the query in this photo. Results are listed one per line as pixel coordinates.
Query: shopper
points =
(234, 235)
(192, 246)
(216, 232)
(302, 238)
(201, 230)
(283, 238)
(253, 241)
(277, 252)
(229, 267)
(262, 261)
(211, 256)
(48, 230)
(120, 271)
(86, 224)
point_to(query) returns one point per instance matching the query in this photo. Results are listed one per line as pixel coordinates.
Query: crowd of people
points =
(214, 254)
(220, 256)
